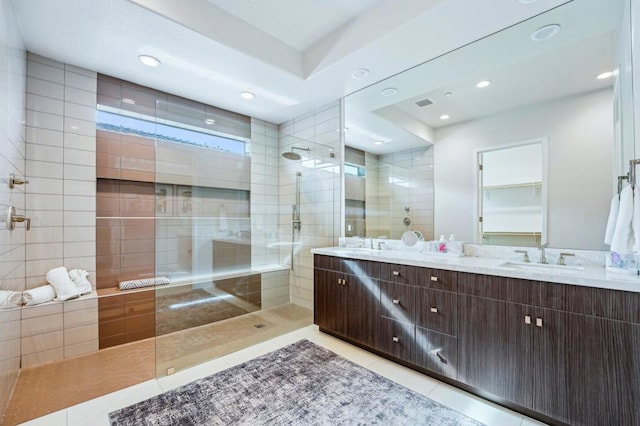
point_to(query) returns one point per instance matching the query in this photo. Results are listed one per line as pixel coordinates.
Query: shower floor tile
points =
(48, 388)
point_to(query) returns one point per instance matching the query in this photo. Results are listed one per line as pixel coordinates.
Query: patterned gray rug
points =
(300, 384)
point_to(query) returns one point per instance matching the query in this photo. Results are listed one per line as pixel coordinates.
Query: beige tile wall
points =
(320, 193)
(13, 70)
(61, 199)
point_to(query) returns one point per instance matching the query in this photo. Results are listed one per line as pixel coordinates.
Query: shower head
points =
(290, 155)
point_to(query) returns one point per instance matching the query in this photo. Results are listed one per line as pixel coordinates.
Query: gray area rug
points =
(300, 384)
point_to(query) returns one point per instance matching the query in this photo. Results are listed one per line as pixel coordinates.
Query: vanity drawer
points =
(403, 274)
(437, 310)
(397, 338)
(397, 301)
(436, 352)
(437, 279)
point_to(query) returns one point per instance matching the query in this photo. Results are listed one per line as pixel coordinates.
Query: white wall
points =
(13, 64)
(580, 137)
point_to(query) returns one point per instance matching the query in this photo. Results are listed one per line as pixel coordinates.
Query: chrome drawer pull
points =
(396, 273)
(395, 339)
(434, 310)
(396, 301)
(442, 359)
(527, 319)
(339, 281)
(434, 278)
(539, 322)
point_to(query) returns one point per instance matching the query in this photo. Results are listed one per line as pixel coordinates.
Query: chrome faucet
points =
(526, 255)
(543, 258)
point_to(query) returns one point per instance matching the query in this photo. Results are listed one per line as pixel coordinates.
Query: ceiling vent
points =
(425, 102)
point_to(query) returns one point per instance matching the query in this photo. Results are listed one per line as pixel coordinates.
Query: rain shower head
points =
(291, 155)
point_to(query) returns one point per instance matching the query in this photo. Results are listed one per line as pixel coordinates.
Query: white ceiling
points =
(296, 55)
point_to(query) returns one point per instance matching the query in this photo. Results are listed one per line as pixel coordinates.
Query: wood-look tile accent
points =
(126, 318)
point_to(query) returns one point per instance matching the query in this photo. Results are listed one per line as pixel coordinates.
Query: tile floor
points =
(47, 388)
(95, 412)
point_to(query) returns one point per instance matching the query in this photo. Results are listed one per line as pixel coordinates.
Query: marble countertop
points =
(586, 275)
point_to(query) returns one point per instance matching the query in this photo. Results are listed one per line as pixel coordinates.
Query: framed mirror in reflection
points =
(562, 77)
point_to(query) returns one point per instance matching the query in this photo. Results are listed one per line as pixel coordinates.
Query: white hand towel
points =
(79, 278)
(622, 241)
(42, 294)
(10, 299)
(65, 288)
(613, 217)
(635, 220)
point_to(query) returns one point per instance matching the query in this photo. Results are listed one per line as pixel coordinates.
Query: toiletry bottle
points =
(442, 244)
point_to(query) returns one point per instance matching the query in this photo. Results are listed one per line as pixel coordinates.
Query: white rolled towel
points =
(42, 294)
(10, 299)
(79, 278)
(65, 288)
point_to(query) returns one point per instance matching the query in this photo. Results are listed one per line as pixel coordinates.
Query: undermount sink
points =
(354, 250)
(541, 267)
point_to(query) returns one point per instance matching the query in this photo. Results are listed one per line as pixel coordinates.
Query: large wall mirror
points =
(562, 77)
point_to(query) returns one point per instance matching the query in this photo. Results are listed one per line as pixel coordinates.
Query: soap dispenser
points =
(442, 244)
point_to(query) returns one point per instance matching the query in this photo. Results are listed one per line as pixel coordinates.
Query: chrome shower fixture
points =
(291, 155)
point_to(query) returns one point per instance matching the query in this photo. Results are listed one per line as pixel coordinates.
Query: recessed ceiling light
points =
(210, 121)
(604, 75)
(128, 101)
(482, 84)
(149, 61)
(448, 94)
(344, 128)
(444, 117)
(546, 32)
(389, 91)
(247, 95)
(527, 1)
(360, 73)
(378, 143)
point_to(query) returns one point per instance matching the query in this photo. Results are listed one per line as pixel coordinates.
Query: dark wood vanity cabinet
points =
(569, 353)
(346, 295)
(541, 346)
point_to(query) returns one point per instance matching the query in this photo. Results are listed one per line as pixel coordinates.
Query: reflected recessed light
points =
(128, 101)
(527, 1)
(444, 117)
(389, 91)
(247, 95)
(360, 73)
(483, 84)
(448, 94)
(546, 32)
(210, 121)
(378, 143)
(604, 75)
(149, 61)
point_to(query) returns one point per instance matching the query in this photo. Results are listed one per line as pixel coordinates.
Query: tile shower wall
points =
(408, 182)
(61, 200)
(13, 63)
(320, 193)
(265, 234)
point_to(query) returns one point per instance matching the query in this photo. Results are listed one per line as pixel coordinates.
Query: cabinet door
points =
(362, 308)
(494, 347)
(436, 352)
(397, 301)
(329, 310)
(587, 369)
(437, 310)
(397, 338)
